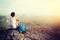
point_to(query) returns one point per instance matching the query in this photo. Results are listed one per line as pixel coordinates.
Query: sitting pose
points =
(15, 23)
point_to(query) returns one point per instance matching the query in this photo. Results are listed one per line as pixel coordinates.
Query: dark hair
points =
(12, 14)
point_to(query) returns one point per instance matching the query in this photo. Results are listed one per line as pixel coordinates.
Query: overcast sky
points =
(40, 8)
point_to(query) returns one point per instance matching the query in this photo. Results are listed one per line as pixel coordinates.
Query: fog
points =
(47, 11)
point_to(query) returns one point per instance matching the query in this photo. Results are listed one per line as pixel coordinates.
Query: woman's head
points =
(12, 14)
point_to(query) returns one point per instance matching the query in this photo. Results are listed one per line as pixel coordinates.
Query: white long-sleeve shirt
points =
(13, 22)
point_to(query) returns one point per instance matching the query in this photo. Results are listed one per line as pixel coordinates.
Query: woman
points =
(14, 21)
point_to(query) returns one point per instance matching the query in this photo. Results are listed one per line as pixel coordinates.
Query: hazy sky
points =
(40, 8)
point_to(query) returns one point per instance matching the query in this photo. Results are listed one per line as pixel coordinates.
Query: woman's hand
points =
(17, 22)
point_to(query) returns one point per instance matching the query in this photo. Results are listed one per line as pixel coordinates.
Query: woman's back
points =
(13, 22)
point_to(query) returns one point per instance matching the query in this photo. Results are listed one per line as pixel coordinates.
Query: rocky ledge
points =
(33, 34)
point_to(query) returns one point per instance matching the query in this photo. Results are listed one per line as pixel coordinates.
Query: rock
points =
(14, 35)
(32, 34)
(11, 34)
(27, 39)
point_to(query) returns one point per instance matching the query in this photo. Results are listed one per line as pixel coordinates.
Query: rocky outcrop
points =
(33, 34)
(11, 34)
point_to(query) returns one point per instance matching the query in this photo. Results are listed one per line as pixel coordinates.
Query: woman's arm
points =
(17, 21)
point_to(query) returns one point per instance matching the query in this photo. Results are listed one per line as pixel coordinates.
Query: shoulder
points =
(12, 18)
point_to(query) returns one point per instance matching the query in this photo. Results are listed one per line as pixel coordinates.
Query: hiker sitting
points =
(15, 23)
